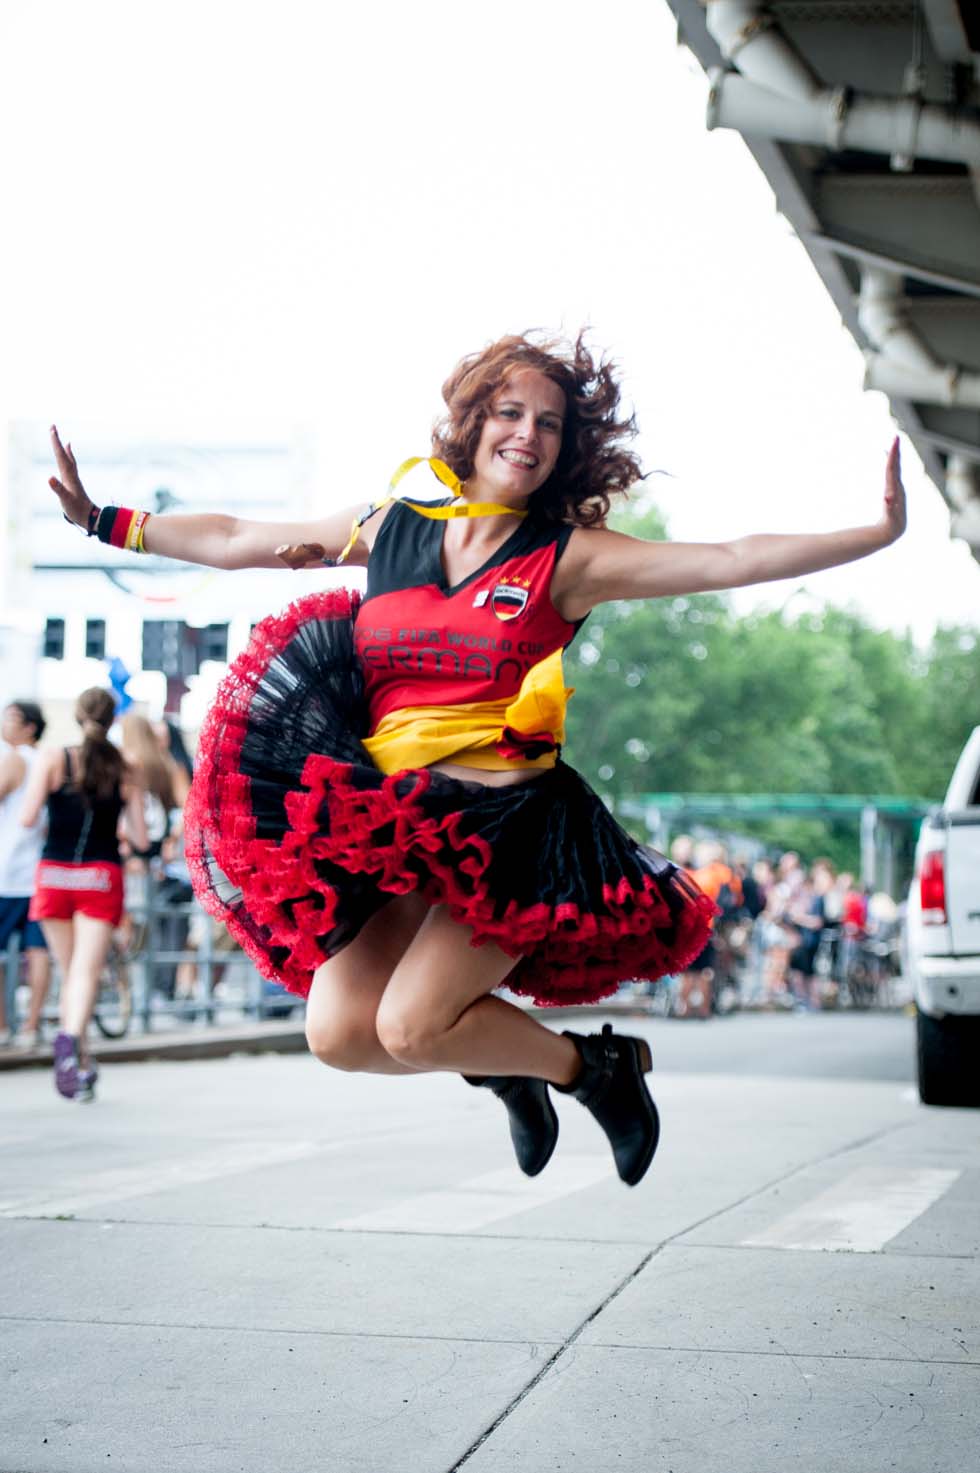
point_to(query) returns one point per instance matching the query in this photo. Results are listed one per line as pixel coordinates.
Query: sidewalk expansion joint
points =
(192, 1225)
(893, 1255)
(966, 1361)
(785, 1176)
(223, 1329)
(552, 1360)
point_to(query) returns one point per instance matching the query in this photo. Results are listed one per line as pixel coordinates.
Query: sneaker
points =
(87, 1076)
(32, 1040)
(66, 1068)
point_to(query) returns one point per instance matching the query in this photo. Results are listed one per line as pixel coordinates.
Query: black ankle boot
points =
(533, 1122)
(612, 1088)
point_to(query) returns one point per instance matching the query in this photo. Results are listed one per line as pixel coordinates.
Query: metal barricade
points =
(174, 960)
(180, 955)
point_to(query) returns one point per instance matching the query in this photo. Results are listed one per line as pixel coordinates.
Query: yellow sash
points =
(453, 484)
(471, 735)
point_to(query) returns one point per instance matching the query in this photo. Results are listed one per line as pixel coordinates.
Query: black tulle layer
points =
(295, 838)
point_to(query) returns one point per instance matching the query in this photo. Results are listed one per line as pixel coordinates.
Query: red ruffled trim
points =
(218, 819)
(562, 954)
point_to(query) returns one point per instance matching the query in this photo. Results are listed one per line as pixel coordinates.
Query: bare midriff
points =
(483, 775)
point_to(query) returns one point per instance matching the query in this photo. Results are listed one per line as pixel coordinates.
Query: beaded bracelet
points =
(93, 517)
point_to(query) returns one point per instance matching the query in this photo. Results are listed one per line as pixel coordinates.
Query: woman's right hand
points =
(297, 555)
(75, 500)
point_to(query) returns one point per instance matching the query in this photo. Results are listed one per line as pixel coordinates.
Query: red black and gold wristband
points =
(120, 527)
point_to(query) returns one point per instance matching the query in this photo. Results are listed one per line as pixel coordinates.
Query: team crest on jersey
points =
(509, 598)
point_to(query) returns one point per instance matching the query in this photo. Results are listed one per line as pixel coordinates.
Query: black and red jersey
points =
(421, 642)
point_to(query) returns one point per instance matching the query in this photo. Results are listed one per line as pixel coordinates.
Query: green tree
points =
(680, 694)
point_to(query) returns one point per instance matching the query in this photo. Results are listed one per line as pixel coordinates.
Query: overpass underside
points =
(865, 119)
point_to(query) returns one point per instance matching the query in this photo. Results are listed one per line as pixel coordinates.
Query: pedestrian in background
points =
(808, 915)
(757, 884)
(700, 982)
(78, 895)
(156, 773)
(173, 746)
(22, 728)
(173, 929)
(147, 889)
(780, 935)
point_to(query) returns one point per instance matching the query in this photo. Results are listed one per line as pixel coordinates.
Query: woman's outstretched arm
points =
(218, 541)
(603, 565)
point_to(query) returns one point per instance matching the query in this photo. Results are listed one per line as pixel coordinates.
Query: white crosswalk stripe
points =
(861, 1213)
(483, 1199)
(121, 1184)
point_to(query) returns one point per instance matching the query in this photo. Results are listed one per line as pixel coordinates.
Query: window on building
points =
(54, 639)
(95, 639)
(164, 645)
(213, 643)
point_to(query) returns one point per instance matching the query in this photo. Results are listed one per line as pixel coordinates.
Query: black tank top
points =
(421, 642)
(81, 830)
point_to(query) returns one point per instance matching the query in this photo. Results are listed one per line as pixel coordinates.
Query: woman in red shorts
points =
(78, 893)
(381, 814)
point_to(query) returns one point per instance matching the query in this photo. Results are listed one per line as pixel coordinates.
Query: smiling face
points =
(520, 439)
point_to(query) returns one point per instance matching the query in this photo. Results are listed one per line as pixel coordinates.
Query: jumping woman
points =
(381, 814)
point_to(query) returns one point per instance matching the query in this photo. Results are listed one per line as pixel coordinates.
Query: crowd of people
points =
(788, 934)
(21, 729)
(76, 822)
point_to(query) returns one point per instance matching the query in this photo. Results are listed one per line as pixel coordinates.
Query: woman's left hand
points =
(894, 519)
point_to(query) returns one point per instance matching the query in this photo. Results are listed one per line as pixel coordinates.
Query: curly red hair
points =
(593, 464)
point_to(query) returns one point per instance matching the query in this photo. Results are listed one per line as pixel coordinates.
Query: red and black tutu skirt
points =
(295, 839)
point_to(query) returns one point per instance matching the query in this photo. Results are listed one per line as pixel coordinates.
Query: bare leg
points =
(91, 941)
(435, 1013)
(39, 977)
(60, 938)
(354, 995)
(346, 991)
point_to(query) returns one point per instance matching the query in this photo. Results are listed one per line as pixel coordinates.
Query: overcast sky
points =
(234, 219)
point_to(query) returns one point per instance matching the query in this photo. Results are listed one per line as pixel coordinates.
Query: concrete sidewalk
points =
(271, 1036)
(241, 1265)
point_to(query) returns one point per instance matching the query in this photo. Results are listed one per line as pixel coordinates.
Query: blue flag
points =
(119, 677)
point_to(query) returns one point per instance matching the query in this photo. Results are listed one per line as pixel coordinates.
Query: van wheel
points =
(948, 1050)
